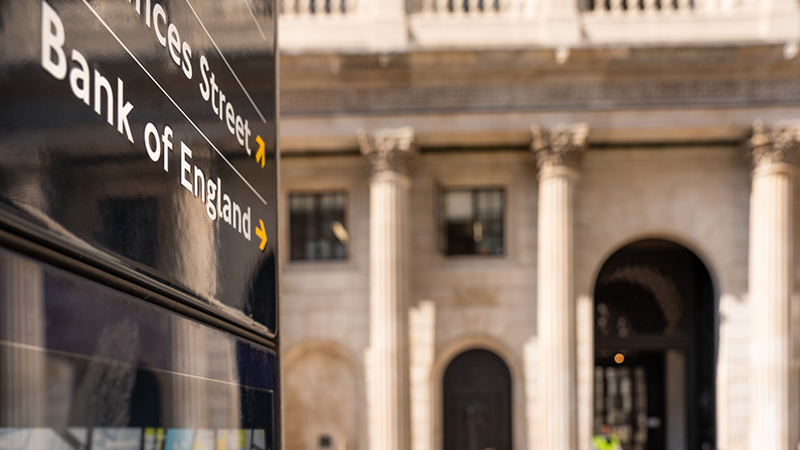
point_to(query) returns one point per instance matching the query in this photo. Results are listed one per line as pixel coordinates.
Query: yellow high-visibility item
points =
(599, 442)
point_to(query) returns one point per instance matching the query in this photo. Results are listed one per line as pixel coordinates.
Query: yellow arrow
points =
(260, 156)
(260, 232)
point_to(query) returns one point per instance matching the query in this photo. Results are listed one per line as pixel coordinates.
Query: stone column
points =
(189, 356)
(23, 367)
(422, 354)
(22, 339)
(558, 155)
(389, 153)
(774, 153)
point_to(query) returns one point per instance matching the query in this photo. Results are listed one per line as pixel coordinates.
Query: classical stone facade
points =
(646, 274)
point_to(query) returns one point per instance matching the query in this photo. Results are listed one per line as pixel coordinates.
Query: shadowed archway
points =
(655, 347)
(477, 402)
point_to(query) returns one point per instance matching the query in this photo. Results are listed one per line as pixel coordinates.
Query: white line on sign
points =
(61, 352)
(85, 2)
(226, 63)
(255, 19)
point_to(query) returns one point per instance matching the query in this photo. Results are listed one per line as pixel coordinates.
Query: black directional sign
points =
(140, 136)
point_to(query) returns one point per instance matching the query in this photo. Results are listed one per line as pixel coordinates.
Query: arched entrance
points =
(654, 331)
(320, 403)
(477, 402)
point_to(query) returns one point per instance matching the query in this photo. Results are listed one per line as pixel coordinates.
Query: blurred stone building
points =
(505, 222)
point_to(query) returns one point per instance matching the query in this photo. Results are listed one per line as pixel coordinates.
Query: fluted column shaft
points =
(22, 322)
(771, 267)
(23, 370)
(388, 391)
(388, 207)
(189, 353)
(556, 318)
(558, 155)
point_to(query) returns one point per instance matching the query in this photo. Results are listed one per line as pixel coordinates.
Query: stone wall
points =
(697, 196)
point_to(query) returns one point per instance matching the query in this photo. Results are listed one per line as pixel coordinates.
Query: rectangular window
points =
(316, 226)
(473, 221)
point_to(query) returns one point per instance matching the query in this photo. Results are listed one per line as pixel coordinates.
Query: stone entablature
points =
(491, 81)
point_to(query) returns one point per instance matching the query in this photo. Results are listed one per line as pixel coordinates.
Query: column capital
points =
(389, 149)
(777, 145)
(559, 149)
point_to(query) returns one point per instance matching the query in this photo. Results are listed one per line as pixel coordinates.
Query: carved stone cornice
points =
(532, 93)
(562, 147)
(390, 149)
(774, 145)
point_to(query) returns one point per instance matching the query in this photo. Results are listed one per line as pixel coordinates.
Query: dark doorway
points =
(477, 402)
(655, 348)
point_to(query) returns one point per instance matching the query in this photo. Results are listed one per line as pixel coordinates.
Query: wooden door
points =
(477, 402)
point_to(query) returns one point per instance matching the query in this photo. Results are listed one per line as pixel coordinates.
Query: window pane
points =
(316, 226)
(332, 202)
(458, 205)
(490, 202)
(492, 237)
(459, 238)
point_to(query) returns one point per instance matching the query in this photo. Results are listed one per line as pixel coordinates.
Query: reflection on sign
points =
(131, 439)
(197, 180)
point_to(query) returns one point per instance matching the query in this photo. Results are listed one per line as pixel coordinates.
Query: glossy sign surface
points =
(96, 368)
(140, 135)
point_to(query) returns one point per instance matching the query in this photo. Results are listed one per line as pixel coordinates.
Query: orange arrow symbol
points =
(260, 232)
(260, 156)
